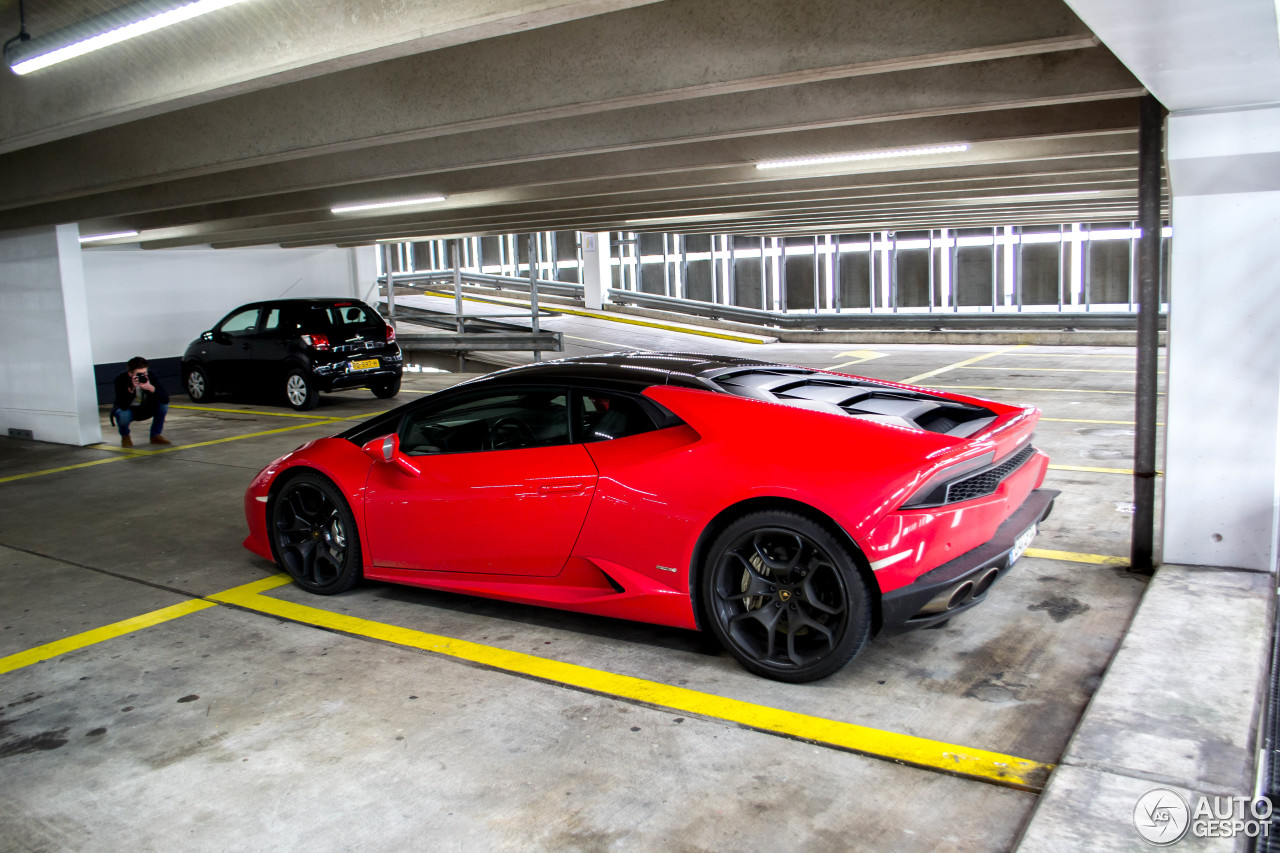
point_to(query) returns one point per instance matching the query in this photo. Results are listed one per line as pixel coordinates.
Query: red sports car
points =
(793, 512)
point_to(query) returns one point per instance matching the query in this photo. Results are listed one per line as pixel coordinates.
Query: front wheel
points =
(386, 388)
(300, 390)
(314, 535)
(198, 388)
(784, 597)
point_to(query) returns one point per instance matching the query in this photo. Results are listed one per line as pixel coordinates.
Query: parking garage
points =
(979, 212)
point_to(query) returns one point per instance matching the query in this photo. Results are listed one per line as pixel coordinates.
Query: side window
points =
(607, 416)
(241, 322)
(273, 320)
(507, 419)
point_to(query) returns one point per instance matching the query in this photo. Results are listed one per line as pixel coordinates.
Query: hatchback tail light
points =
(317, 342)
(391, 334)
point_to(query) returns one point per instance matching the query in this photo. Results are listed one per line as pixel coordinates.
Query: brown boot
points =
(160, 439)
(126, 441)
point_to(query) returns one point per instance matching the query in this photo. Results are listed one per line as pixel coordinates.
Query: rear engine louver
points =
(865, 400)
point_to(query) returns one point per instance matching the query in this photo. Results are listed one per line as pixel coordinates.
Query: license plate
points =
(1022, 543)
(364, 364)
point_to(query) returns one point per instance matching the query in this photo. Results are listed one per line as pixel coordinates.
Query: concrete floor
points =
(230, 729)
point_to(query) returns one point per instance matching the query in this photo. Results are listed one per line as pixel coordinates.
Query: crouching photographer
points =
(139, 397)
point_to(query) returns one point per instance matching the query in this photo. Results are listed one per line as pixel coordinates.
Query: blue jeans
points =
(124, 417)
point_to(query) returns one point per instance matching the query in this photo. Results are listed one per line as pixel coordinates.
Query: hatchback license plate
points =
(1021, 544)
(364, 364)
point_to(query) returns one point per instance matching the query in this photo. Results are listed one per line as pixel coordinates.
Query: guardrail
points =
(877, 321)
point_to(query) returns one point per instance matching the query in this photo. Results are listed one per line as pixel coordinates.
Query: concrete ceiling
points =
(246, 126)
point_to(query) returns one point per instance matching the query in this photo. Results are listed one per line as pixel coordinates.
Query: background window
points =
(241, 322)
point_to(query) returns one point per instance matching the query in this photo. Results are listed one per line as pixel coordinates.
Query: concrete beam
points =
(521, 78)
(1076, 120)
(243, 49)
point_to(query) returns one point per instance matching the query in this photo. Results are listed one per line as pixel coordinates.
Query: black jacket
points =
(125, 396)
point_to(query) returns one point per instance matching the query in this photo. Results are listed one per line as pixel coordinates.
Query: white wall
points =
(46, 370)
(1221, 484)
(154, 303)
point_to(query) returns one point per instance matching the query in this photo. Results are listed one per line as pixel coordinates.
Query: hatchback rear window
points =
(339, 320)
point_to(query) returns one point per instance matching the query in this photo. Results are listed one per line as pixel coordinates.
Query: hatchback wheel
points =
(300, 391)
(198, 388)
(314, 535)
(784, 597)
(386, 388)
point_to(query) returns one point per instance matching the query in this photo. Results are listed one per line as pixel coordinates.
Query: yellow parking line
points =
(996, 768)
(1000, 388)
(1073, 557)
(97, 635)
(1127, 471)
(968, 361)
(245, 412)
(170, 449)
(606, 343)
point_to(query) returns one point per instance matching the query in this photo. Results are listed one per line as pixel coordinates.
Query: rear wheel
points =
(300, 390)
(386, 388)
(315, 535)
(784, 597)
(198, 388)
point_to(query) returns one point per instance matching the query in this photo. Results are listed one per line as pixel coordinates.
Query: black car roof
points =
(632, 368)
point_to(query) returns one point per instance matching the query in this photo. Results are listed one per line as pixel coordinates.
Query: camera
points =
(140, 378)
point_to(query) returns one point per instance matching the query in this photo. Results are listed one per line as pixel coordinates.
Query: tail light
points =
(391, 334)
(316, 342)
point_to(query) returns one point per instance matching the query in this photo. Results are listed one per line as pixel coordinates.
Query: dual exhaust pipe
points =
(960, 595)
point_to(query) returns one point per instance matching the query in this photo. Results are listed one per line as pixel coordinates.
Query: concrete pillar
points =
(1221, 480)
(46, 364)
(595, 268)
(364, 273)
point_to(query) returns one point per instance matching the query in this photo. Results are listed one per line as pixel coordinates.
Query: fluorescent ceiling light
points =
(98, 237)
(104, 30)
(382, 205)
(676, 218)
(862, 155)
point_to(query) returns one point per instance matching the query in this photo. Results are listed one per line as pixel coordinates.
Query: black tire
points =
(300, 390)
(784, 597)
(386, 388)
(197, 381)
(314, 535)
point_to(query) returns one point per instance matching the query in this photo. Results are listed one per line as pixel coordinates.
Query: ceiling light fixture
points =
(382, 205)
(25, 55)
(862, 155)
(99, 237)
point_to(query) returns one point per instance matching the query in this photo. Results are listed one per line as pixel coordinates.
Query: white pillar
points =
(46, 364)
(1223, 431)
(595, 268)
(364, 273)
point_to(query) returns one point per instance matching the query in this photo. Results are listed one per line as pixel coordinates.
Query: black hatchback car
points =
(297, 348)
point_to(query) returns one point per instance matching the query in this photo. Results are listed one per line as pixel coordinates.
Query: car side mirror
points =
(387, 451)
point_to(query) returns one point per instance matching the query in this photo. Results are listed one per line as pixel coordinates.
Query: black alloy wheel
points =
(198, 387)
(300, 390)
(314, 535)
(386, 388)
(784, 597)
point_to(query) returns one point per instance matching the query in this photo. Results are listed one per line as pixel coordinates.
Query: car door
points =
(502, 490)
(228, 353)
(276, 333)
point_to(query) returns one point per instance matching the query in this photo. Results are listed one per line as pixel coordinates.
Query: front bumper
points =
(955, 586)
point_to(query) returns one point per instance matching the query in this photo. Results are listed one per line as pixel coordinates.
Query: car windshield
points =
(341, 321)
